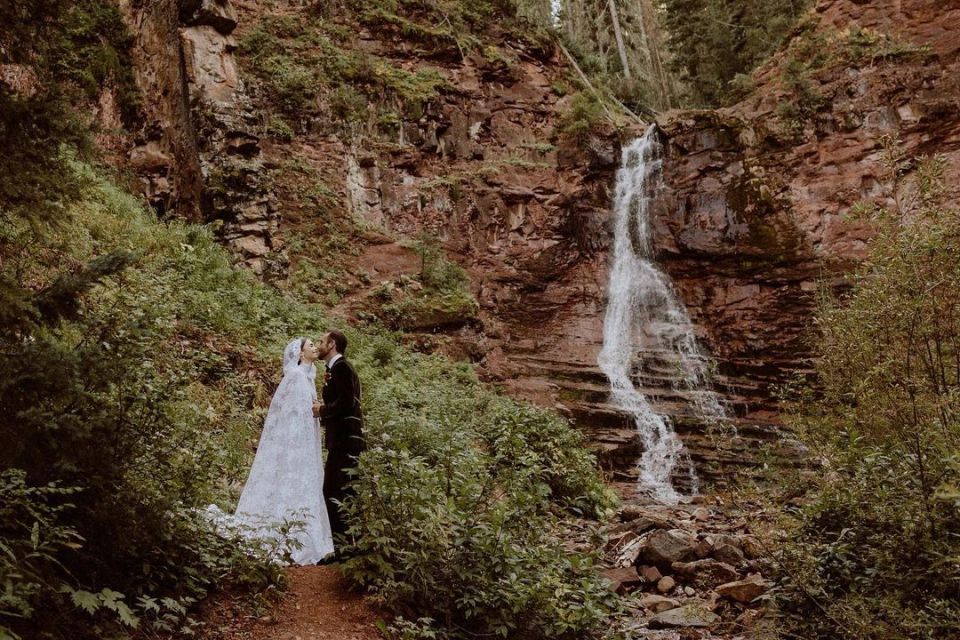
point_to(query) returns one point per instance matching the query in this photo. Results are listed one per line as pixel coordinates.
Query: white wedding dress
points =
(286, 480)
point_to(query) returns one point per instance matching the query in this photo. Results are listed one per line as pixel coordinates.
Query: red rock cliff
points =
(752, 214)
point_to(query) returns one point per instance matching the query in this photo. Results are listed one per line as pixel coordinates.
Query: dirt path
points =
(318, 606)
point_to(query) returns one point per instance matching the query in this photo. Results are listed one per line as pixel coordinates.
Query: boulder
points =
(643, 518)
(662, 548)
(705, 573)
(694, 614)
(746, 590)
(218, 14)
(650, 574)
(727, 553)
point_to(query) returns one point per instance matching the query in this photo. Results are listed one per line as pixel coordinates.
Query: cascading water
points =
(645, 319)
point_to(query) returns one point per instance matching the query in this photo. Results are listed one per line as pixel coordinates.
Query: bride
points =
(286, 479)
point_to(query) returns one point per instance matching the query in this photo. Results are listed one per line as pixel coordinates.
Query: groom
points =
(342, 421)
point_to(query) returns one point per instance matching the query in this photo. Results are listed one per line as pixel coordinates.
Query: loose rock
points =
(695, 614)
(658, 604)
(706, 573)
(623, 579)
(746, 590)
(650, 574)
(663, 548)
(751, 547)
(728, 553)
(666, 584)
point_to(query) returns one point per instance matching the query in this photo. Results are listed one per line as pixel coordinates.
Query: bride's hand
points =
(316, 409)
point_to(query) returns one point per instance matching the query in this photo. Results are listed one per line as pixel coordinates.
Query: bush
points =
(875, 553)
(459, 508)
(305, 65)
(143, 396)
(583, 118)
(441, 297)
(127, 392)
(31, 537)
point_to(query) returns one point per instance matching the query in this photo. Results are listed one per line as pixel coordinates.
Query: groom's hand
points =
(316, 409)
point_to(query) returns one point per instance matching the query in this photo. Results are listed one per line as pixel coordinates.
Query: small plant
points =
(867, 45)
(582, 118)
(278, 128)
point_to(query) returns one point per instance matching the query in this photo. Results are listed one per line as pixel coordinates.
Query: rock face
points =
(198, 154)
(753, 210)
(757, 197)
(166, 155)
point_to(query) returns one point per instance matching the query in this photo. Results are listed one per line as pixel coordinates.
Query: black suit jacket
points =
(341, 414)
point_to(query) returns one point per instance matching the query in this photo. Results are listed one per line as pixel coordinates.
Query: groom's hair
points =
(340, 340)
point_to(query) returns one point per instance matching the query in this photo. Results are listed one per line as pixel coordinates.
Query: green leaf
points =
(87, 601)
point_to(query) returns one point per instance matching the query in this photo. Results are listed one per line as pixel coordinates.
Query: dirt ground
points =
(319, 605)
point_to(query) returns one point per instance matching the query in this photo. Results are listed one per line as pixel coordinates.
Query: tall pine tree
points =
(711, 41)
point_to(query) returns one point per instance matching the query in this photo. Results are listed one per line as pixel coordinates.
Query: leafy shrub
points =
(300, 63)
(280, 129)
(31, 536)
(875, 553)
(453, 27)
(435, 270)
(459, 509)
(582, 118)
(132, 397)
(441, 297)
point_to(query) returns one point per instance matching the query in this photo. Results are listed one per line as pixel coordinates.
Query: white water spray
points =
(645, 319)
(555, 8)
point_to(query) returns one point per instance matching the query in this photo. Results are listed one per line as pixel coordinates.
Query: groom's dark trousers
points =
(342, 421)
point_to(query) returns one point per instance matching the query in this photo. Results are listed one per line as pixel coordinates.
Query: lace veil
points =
(286, 478)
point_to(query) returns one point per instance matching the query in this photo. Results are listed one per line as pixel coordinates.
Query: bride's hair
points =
(303, 341)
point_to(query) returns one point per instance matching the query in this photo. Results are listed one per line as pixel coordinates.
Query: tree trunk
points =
(619, 36)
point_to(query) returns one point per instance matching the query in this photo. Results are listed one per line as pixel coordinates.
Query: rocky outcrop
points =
(758, 199)
(752, 216)
(166, 154)
(198, 154)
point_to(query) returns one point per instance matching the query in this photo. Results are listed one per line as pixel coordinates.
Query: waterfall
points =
(646, 325)
(555, 8)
